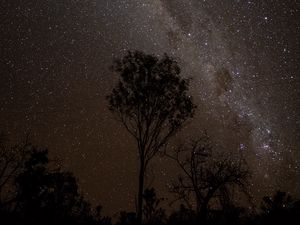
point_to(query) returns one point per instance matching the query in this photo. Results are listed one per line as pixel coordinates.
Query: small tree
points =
(152, 102)
(205, 178)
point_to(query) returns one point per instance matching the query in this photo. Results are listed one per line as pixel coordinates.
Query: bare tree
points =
(12, 159)
(152, 102)
(206, 179)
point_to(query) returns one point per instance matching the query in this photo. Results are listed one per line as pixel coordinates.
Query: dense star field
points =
(242, 56)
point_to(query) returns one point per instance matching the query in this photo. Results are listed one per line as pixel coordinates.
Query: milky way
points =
(242, 58)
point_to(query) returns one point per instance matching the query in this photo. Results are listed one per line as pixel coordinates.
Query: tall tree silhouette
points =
(152, 102)
(205, 178)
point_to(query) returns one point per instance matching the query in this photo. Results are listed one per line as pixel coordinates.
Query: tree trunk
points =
(204, 211)
(141, 191)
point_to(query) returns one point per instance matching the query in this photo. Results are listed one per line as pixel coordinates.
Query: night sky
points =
(242, 56)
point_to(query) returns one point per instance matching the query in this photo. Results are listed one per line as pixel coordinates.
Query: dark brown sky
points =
(243, 57)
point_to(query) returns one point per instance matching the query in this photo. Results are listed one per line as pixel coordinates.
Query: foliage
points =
(47, 196)
(150, 99)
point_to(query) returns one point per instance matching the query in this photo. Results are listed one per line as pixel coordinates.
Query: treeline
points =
(34, 191)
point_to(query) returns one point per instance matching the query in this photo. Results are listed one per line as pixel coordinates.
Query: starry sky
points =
(242, 56)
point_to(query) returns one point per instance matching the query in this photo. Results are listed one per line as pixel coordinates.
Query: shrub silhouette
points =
(48, 196)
